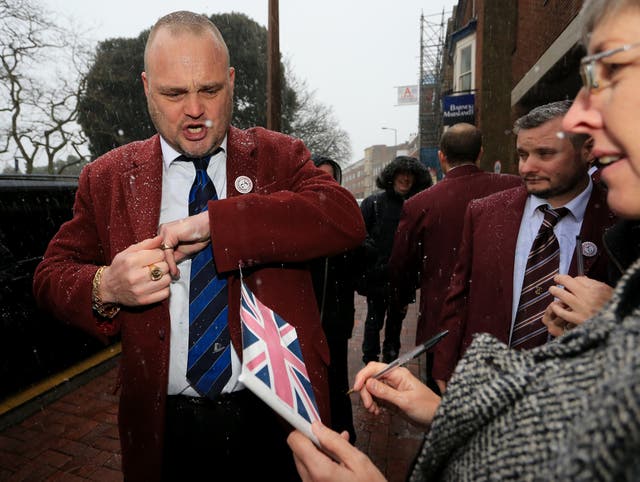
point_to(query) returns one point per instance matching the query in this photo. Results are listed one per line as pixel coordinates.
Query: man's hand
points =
(315, 465)
(577, 300)
(184, 237)
(127, 281)
(397, 387)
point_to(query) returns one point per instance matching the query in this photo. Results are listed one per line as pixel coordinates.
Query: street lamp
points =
(395, 133)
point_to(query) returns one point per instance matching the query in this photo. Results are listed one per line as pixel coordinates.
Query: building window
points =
(464, 70)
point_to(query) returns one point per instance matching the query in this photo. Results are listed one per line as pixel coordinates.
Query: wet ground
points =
(68, 430)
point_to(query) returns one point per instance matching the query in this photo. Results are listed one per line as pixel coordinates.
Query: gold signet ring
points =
(165, 247)
(155, 273)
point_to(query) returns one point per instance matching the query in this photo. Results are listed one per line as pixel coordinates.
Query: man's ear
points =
(444, 165)
(145, 82)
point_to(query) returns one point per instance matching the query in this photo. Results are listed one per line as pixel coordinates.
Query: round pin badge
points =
(589, 249)
(243, 184)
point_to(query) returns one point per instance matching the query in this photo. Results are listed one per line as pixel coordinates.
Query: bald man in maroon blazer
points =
(555, 171)
(427, 241)
(275, 212)
(292, 214)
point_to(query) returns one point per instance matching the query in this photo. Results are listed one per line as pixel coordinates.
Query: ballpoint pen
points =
(401, 360)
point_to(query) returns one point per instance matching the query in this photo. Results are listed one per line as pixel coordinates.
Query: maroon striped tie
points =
(542, 265)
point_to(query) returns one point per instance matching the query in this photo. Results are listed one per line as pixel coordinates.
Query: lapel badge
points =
(589, 249)
(243, 184)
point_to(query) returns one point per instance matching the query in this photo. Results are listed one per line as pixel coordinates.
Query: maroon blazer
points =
(427, 241)
(481, 295)
(294, 213)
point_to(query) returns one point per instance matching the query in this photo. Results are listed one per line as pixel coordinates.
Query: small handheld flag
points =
(272, 364)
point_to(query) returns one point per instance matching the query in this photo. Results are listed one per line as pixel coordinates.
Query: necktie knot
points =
(200, 163)
(202, 189)
(552, 216)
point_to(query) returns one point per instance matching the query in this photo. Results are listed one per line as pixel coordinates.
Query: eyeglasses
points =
(588, 66)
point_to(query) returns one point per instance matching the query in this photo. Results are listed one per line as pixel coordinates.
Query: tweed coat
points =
(427, 241)
(481, 295)
(292, 214)
(567, 410)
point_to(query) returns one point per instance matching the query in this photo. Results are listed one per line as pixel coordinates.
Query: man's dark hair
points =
(461, 143)
(401, 164)
(337, 170)
(543, 114)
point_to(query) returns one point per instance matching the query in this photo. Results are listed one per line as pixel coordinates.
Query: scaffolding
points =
(432, 38)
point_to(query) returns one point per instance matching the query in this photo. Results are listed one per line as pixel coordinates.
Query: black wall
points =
(33, 345)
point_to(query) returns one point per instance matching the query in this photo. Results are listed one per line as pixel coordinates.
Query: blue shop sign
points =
(458, 108)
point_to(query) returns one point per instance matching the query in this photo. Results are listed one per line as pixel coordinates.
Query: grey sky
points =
(351, 53)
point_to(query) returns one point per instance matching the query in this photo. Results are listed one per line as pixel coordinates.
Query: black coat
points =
(622, 242)
(334, 281)
(381, 213)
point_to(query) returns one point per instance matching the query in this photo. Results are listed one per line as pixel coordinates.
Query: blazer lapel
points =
(242, 169)
(511, 219)
(142, 188)
(596, 216)
(242, 178)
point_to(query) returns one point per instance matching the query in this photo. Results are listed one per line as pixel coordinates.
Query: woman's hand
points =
(397, 387)
(577, 300)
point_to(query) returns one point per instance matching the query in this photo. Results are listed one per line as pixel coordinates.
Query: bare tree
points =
(42, 68)
(316, 125)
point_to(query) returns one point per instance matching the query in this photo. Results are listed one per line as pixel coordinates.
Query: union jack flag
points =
(273, 366)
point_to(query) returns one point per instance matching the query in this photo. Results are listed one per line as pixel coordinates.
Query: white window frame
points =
(462, 44)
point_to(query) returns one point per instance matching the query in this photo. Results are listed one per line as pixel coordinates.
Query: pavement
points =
(70, 433)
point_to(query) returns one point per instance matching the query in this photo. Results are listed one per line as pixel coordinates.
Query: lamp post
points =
(395, 133)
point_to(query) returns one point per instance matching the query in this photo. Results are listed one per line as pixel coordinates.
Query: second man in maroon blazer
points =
(427, 242)
(499, 230)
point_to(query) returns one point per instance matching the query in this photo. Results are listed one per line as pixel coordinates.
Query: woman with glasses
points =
(568, 410)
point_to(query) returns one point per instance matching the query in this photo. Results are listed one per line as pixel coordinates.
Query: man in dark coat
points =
(334, 281)
(399, 180)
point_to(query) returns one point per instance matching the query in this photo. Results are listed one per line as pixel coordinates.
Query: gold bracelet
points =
(106, 310)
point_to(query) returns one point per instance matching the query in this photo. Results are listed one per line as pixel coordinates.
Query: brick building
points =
(508, 56)
(512, 55)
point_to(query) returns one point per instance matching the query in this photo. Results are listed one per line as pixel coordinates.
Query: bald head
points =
(461, 144)
(181, 22)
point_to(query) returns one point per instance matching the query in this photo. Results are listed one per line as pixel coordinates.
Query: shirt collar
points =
(577, 206)
(169, 154)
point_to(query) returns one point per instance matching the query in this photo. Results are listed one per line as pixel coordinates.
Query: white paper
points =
(262, 391)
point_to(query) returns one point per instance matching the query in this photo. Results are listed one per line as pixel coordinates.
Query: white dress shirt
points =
(178, 176)
(566, 230)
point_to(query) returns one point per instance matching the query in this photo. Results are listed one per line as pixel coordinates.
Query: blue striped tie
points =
(209, 360)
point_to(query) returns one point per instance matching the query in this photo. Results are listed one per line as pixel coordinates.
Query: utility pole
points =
(274, 89)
